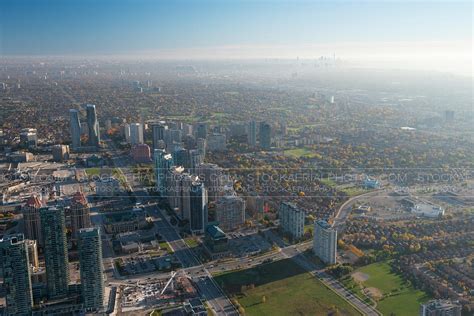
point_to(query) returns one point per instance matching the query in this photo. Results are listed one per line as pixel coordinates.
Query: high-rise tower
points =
(252, 134)
(325, 242)
(93, 125)
(80, 214)
(16, 275)
(31, 219)
(90, 262)
(53, 226)
(265, 135)
(198, 207)
(75, 126)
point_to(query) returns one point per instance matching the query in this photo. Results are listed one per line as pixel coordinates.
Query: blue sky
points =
(86, 27)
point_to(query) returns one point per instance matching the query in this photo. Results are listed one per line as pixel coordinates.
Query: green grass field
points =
(191, 242)
(93, 172)
(350, 191)
(288, 289)
(353, 191)
(165, 245)
(302, 152)
(399, 297)
(329, 182)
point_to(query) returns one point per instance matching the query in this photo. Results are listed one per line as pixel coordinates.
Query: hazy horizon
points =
(427, 35)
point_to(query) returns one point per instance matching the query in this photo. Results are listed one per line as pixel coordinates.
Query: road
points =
(295, 253)
(193, 267)
(207, 287)
(201, 274)
(328, 280)
(345, 209)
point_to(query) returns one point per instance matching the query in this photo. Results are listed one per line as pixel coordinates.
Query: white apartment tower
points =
(325, 242)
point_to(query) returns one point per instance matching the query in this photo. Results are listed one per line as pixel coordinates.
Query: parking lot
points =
(247, 245)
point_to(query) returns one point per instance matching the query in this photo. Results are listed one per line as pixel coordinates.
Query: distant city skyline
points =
(378, 32)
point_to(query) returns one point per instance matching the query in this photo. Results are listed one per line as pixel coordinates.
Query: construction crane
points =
(168, 283)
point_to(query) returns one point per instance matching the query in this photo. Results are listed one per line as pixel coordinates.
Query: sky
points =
(429, 31)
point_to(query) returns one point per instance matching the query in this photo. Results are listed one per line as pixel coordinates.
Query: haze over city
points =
(255, 157)
(428, 35)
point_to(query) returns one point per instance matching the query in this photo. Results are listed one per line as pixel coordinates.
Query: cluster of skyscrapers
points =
(190, 185)
(92, 127)
(263, 130)
(184, 192)
(19, 258)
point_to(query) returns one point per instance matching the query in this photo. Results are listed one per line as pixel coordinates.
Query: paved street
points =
(201, 274)
(216, 298)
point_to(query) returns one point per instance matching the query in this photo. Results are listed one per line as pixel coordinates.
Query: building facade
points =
(265, 136)
(213, 178)
(92, 125)
(32, 247)
(291, 219)
(136, 134)
(163, 163)
(230, 212)
(53, 225)
(75, 128)
(80, 215)
(32, 220)
(141, 153)
(172, 138)
(158, 131)
(91, 268)
(29, 137)
(60, 153)
(201, 130)
(252, 134)
(16, 275)
(325, 242)
(216, 142)
(198, 207)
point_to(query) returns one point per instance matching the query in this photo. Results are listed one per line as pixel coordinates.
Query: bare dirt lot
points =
(360, 277)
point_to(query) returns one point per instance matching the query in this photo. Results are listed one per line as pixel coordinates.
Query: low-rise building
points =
(440, 308)
(427, 210)
(124, 222)
(21, 156)
(216, 242)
